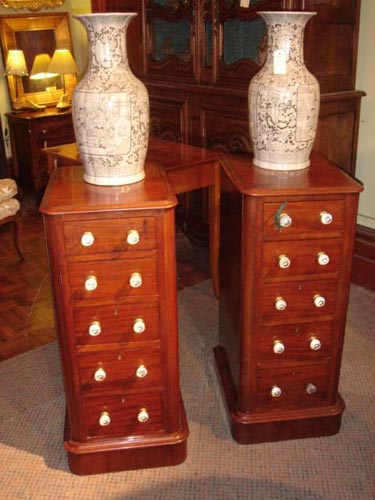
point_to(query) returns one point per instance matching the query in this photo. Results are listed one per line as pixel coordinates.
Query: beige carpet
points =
(33, 463)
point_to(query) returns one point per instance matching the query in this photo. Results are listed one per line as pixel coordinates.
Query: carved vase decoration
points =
(284, 97)
(110, 106)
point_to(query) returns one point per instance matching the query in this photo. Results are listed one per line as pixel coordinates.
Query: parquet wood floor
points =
(26, 309)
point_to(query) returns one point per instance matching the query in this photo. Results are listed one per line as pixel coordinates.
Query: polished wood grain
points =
(251, 283)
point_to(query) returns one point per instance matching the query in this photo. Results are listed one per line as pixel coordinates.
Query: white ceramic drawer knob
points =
(139, 326)
(284, 261)
(325, 218)
(91, 283)
(104, 419)
(319, 301)
(278, 347)
(135, 280)
(141, 371)
(132, 237)
(280, 304)
(100, 375)
(95, 329)
(87, 239)
(285, 220)
(323, 258)
(315, 344)
(275, 391)
(311, 388)
(143, 416)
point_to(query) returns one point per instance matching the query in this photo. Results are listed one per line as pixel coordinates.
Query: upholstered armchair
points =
(9, 209)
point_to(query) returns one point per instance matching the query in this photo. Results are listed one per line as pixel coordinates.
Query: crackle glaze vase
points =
(110, 106)
(284, 97)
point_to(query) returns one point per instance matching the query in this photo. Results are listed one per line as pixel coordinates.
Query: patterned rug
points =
(33, 463)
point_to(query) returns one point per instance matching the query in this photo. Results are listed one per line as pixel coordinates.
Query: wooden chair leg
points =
(17, 237)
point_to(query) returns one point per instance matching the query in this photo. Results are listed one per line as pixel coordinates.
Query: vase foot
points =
(113, 181)
(280, 166)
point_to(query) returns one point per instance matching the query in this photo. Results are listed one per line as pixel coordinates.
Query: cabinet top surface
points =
(68, 193)
(321, 177)
(38, 115)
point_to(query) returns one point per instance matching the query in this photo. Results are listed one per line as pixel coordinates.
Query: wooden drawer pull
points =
(100, 375)
(139, 326)
(319, 301)
(104, 419)
(325, 218)
(135, 280)
(91, 283)
(87, 239)
(276, 391)
(143, 416)
(133, 237)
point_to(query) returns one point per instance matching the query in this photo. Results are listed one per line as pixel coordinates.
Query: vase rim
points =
(106, 14)
(291, 12)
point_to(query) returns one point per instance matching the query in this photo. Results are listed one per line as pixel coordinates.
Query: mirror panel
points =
(36, 34)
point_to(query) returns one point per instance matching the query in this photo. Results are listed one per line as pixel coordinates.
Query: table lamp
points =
(62, 62)
(39, 71)
(16, 66)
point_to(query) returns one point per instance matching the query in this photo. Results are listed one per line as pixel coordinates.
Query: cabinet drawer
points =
(110, 280)
(130, 322)
(298, 300)
(52, 133)
(115, 236)
(119, 370)
(293, 344)
(281, 259)
(294, 387)
(124, 415)
(306, 219)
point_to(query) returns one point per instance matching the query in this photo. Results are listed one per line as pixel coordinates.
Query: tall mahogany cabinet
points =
(198, 56)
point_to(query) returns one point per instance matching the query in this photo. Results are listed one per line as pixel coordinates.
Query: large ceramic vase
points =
(284, 97)
(110, 106)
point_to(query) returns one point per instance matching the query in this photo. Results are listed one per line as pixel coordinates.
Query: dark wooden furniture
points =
(113, 270)
(197, 58)
(188, 168)
(285, 257)
(30, 132)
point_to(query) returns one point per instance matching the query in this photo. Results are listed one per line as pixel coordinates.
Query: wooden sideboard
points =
(30, 132)
(286, 248)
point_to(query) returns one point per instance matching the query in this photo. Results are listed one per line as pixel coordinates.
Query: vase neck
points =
(107, 40)
(285, 31)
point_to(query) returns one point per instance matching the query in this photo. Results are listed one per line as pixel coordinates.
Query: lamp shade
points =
(16, 63)
(62, 62)
(40, 67)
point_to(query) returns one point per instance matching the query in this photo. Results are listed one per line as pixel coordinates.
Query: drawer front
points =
(111, 279)
(298, 300)
(131, 322)
(291, 344)
(54, 132)
(119, 370)
(115, 236)
(294, 387)
(282, 259)
(306, 219)
(133, 415)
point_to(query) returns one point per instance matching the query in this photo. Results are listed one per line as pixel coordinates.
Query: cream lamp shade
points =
(40, 67)
(62, 62)
(16, 63)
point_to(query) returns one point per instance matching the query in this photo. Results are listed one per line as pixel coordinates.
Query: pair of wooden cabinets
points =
(285, 252)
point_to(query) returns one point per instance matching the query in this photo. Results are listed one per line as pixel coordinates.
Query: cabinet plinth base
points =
(247, 428)
(120, 454)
